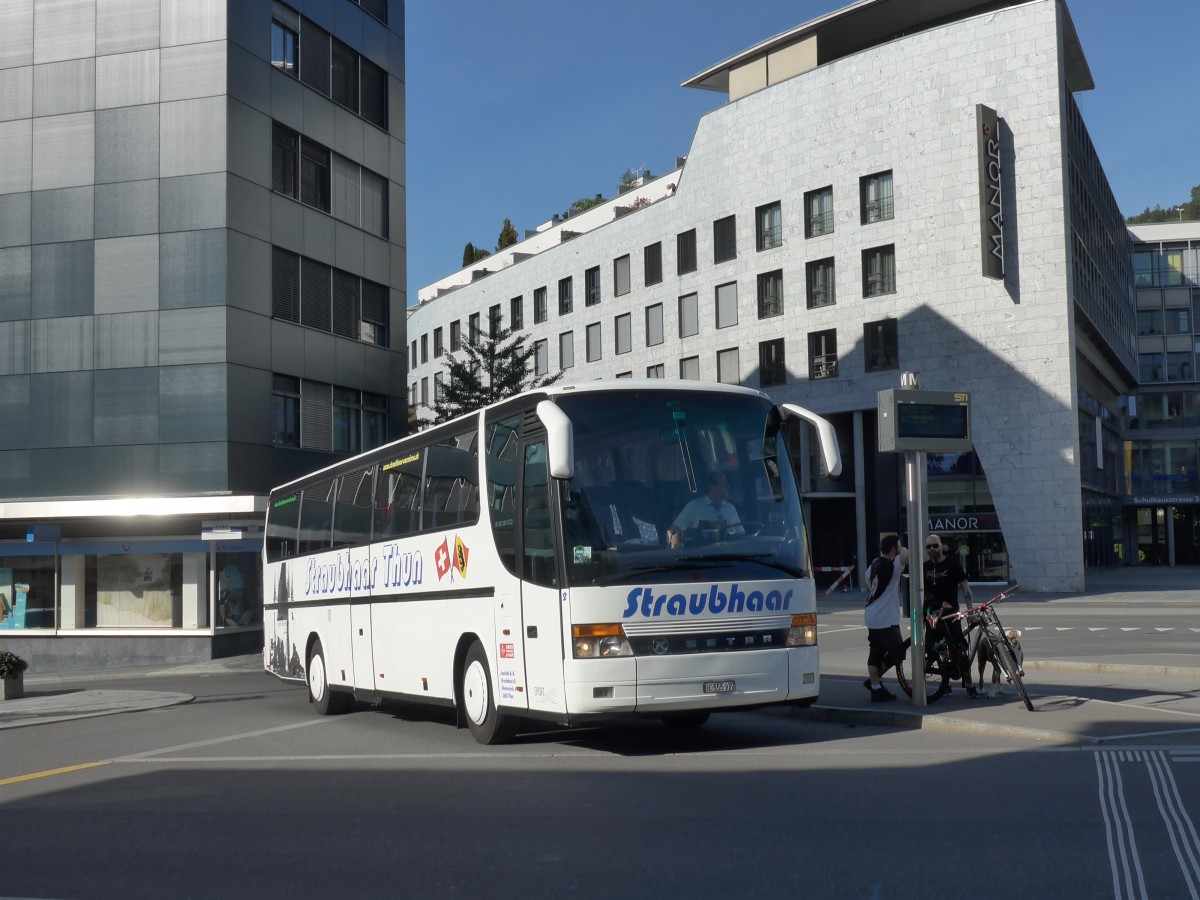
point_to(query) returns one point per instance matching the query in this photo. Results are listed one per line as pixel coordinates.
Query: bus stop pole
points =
(914, 465)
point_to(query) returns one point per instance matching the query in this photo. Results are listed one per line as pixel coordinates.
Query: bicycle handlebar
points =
(975, 610)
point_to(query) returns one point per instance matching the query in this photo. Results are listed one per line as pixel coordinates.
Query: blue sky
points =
(520, 108)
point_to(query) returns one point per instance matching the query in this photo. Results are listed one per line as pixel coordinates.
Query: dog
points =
(985, 656)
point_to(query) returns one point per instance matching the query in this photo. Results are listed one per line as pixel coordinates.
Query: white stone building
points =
(828, 231)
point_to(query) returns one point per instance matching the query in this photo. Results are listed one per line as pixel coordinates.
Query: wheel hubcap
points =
(316, 677)
(475, 693)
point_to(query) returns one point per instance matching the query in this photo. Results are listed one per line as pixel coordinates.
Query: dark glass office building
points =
(201, 283)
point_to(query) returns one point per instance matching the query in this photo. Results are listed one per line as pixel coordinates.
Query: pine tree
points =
(493, 368)
(473, 254)
(508, 235)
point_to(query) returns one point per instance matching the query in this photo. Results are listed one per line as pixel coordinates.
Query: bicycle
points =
(945, 659)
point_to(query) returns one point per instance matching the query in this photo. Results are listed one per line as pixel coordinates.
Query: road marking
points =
(1118, 828)
(1179, 826)
(33, 776)
(1068, 628)
(1131, 629)
(1104, 628)
(224, 740)
(1164, 629)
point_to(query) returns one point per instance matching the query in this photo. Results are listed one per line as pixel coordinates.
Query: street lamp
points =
(1178, 209)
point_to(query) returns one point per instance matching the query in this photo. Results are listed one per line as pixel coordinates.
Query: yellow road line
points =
(34, 776)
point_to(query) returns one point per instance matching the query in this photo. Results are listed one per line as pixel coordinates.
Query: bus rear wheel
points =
(327, 702)
(488, 725)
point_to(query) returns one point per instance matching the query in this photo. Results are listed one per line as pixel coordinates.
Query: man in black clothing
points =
(944, 579)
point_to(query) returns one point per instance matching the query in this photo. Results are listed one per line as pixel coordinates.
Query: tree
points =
(584, 204)
(491, 369)
(1188, 211)
(473, 254)
(508, 235)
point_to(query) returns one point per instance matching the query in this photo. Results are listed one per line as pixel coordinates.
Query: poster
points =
(134, 591)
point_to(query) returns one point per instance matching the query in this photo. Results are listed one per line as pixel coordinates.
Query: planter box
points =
(12, 688)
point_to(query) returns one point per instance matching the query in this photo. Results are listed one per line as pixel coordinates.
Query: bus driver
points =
(714, 507)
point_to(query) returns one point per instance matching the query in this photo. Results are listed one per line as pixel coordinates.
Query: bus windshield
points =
(670, 483)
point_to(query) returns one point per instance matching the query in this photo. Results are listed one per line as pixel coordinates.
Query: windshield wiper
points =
(765, 559)
(684, 562)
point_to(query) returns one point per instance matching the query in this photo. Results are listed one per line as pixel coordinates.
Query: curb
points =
(900, 719)
(1186, 673)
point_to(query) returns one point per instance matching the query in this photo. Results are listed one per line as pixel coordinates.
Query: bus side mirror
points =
(826, 436)
(560, 439)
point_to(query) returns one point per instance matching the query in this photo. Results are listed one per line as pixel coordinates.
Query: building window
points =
(495, 321)
(621, 276)
(474, 333)
(689, 368)
(424, 391)
(347, 421)
(820, 283)
(412, 355)
(770, 294)
(438, 346)
(285, 411)
(879, 271)
(689, 316)
(285, 145)
(822, 354)
(374, 420)
(591, 286)
(314, 175)
(725, 239)
(284, 38)
(771, 368)
(727, 366)
(566, 350)
(539, 305)
(727, 310)
(345, 76)
(685, 252)
(768, 226)
(876, 194)
(455, 335)
(301, 292)
(624, 333)
(656, 371)
(424, 349)
(624, 374)
(654, 325)
(652, 258)
(377, 8)
(818, 212)
(516, 314)
(881, 345)
(565, 301)
(594, 350)
(439, 387)
(541, 357)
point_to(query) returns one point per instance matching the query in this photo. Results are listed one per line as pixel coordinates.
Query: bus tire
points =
(487, 724)
(326, 701)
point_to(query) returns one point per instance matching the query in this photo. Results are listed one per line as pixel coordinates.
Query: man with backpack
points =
(882, 615)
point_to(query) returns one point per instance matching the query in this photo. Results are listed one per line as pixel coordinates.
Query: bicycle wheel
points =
(937, 679)
(1007, 663)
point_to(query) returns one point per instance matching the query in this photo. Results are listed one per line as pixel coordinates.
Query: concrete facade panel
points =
(126, 25)
(127, 208)
(127, 79)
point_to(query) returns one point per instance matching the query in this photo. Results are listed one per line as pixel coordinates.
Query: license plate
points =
(719, 687)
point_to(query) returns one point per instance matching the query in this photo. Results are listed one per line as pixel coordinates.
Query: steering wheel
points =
(746, 528)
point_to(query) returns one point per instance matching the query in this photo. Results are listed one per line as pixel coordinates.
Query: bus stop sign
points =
(936, 421)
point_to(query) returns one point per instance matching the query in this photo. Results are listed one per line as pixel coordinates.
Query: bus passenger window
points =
(316, 517)
(282, 521)
(352, 513)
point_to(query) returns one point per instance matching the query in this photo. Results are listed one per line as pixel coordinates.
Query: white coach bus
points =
(521, 562)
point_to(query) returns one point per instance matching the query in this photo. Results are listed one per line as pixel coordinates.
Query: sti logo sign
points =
(991, 218)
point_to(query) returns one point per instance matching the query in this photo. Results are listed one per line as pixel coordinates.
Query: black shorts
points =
(887, 647)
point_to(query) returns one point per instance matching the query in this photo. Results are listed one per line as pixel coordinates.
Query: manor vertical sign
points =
(991, 217)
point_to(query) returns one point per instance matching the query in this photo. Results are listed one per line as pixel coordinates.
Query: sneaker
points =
(972, 691)
(882, 695)
(867, 683)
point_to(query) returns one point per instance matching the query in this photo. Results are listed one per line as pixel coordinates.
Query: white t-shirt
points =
(885, 611)
(703, 509)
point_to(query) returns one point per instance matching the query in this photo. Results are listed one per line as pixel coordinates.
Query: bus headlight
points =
(803, 632)
(595, 641)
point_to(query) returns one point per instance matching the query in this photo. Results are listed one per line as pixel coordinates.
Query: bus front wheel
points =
(487, 724)
(326, 701)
